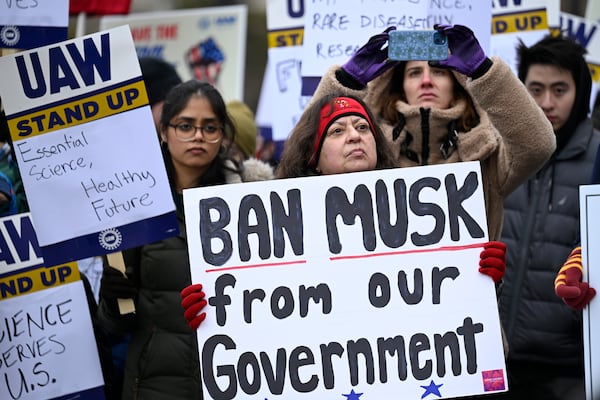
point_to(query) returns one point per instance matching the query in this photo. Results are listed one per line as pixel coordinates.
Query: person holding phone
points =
(467, 107)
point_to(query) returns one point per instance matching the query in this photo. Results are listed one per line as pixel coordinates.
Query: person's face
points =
(554, 91)
(426, 86)
(192, 158)
(348, 146)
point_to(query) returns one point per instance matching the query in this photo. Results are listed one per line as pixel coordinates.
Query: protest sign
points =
(525, 20)
(86, 145)
(346, 284)
(26, 24)
(334, 30)
(589, 200)
(282, 82)
(587, 33)
(46, 336)
(207, 43)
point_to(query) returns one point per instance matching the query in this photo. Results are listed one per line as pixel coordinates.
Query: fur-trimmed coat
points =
(513, 139)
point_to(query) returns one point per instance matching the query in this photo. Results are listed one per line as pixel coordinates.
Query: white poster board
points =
(86, 146)
(334, 30)
(525, 20)
(46, 336)
(207, 43)
(26, 24)
(333, 286)
(282, 81)
(587, 33)
(589, 200)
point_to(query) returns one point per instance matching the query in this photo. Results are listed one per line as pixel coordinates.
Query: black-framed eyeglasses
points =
(185, 132)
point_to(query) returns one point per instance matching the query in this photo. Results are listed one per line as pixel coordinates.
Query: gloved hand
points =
(466, 55)
(371, 60)
(115, 285)
(193, 301)
(492, 260)
(568, 285)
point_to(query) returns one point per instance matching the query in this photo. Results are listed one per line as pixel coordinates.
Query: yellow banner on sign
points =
(285, 38)
(595, 71)
(38, 279)
(520, 22)
(104, 104)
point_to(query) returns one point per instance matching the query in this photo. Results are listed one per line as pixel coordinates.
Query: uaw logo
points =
(10, 35)
(110, 239)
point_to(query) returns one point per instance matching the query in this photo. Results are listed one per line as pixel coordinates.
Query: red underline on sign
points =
(395, 253)
(279, 264)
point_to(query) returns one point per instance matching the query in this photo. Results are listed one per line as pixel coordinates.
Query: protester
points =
(541, 226)
(486, 114)
(243, 150)
(162, 359)
(159, 77)
(335, 135)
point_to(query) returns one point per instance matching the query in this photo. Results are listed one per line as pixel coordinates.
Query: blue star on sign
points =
(353, 395)
(432, 388)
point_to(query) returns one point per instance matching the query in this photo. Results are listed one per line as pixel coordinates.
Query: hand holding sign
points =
(193, 301)
(115, 285)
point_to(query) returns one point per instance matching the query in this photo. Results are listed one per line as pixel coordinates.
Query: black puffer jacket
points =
(162, 360)
(541, 226)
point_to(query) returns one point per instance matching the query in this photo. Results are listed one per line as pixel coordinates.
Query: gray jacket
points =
(541, 226)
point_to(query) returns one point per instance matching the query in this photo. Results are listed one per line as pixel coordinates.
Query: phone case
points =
(417, 45)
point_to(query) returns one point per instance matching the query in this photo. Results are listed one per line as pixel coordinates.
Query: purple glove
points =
(370, 60)
(466, 55)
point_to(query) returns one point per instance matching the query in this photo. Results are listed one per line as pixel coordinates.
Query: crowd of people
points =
(531, 132)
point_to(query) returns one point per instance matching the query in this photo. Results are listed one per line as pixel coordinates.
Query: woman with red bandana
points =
(336, 135)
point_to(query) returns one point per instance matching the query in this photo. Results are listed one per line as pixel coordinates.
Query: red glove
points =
(192, 301)
(568, 285)
(493, 260)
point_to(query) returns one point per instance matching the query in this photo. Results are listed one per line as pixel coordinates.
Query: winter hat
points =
(159, 76)
(245, 127)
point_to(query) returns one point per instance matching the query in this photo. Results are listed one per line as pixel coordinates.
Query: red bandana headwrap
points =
(341, 107)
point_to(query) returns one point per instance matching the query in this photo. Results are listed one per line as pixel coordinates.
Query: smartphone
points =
(417, 45)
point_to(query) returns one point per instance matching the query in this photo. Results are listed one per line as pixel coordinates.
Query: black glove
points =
(115, 285)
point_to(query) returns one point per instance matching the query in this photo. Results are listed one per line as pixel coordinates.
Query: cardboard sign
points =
(207, 43)
(589, 205)
(341, 285)
(334, 30)
(46, 336)
(86, 146)
(26, 24)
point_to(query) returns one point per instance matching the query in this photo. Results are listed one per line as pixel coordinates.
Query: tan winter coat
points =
(513, 139)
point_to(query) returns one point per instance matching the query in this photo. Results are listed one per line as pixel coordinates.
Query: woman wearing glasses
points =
(162, 359)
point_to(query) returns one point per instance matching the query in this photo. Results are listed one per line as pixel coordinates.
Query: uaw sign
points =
(86, 145)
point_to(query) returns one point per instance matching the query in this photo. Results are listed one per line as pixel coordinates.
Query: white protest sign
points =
(25, 24)
(282, 82)
(525, 20)
(345, 284)
(86, 145)
(589, 205)
(207, 43)
(46, 336)
(587, 33)
(335, 29)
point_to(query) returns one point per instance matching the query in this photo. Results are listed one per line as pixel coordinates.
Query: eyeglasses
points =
(187, 132)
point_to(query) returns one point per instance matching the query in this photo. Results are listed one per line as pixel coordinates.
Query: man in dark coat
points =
(541, 226)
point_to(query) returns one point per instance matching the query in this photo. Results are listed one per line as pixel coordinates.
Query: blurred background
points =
(256, 48)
